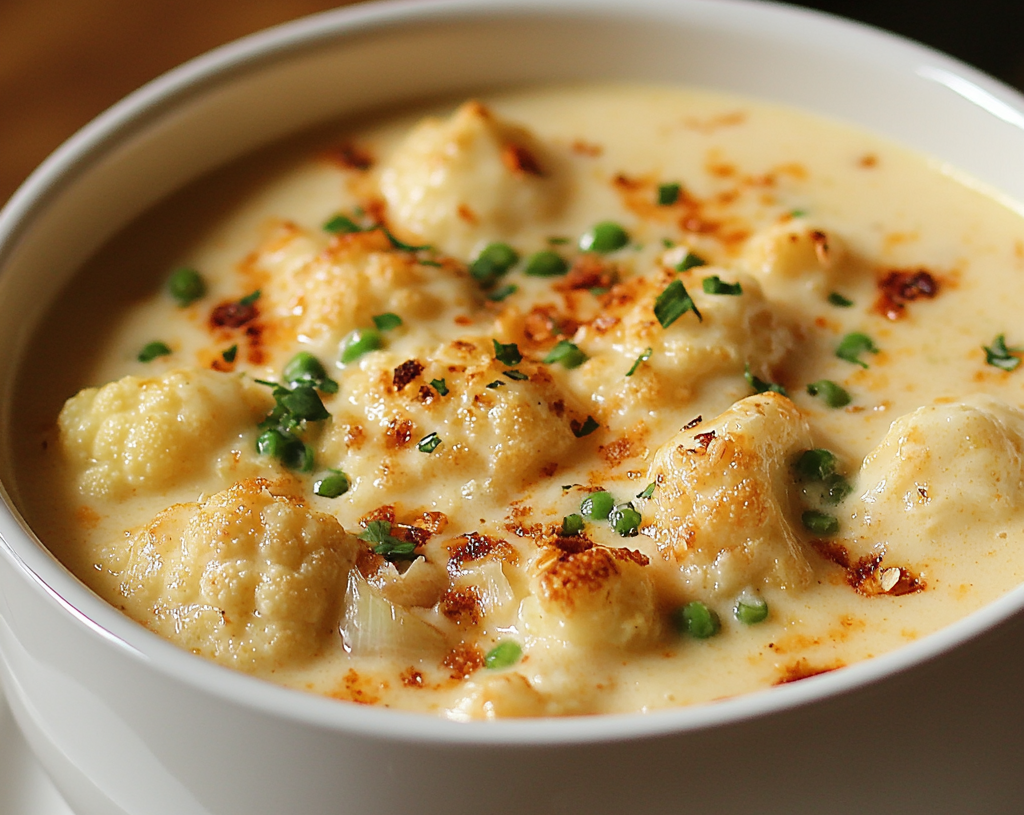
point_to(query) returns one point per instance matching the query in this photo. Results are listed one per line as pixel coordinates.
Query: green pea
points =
(493, 261)
(750, 610)
(503, 655)
(332, 485)
(625, 519)
(604, 237)
(597, 506)
(572, 525)
(186, 285)
(359, 342)
(546, 264)
(697, 620)
(820, 523)
(833, 395)
(304, 367)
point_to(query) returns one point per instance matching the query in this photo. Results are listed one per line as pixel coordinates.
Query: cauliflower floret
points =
(724, 499)
(324, 293)
(506, 695)
(248, 578)
(794, 252)
(940, 472)
(597, 597)
(457, 180)
(489, 433)
(140, 435)
(734, 331)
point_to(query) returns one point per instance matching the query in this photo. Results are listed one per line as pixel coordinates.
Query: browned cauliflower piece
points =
(142, 435)
(596, 597)
(454, 181)
(249, 578)
(496, 427)
(724, 501)
(795, 253)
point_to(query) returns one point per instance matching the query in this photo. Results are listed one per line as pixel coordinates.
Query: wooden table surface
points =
(62, 62)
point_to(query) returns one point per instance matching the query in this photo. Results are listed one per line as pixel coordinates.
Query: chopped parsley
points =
(388, 321)
(429, 443)
(668, 194)
(648, 490)
(566, 353)
(152, 350)
(249, 299)
(818, 466)
(359, 342)
(833, 395)
(1001, 356)
(229, 354)
(515, 376)
(820, 523)
(386, 544)
(341, 225)
(690, 261)
(836, 299)
(853, 345)
(646, 355)
(293, 408)
(440, 386)
(507, 353)
(715, 285)
(673, 303)
(585, 429)
(497, 383)
(761, 386)
(498, 295)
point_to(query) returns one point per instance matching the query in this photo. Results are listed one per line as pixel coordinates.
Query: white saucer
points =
(24, 787)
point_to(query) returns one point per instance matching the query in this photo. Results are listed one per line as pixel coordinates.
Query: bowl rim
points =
(327, 29)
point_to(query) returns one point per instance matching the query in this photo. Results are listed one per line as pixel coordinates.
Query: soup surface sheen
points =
(759, 337)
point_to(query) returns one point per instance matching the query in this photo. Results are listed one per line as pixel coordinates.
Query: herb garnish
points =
(673, 303)
(715, 285)
(229, 354)
(1001, 356)
(341, 224)
(648, 490)
(388, 321)
(494, 260)
(625, 519)
(515, 376)
(152, 350)
(646, 355)
(507, 353)
(820, 523)
(503, 655)
(690, 261)
(293, 408)
(249, 299)
(835, 396)
(585, 429)
(697, 620)
(429, 443)
(761, 386)
(853, 345)
(306, 369)
(359, 342)
(186, 285)
(567, 353)
(836, 299)
(498, 295)
(668, 194)
(387, 545)
(546, 264)
(604, 237)
(440, 386)
(332, 485)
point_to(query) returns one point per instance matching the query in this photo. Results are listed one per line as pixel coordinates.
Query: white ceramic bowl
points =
(127, 723)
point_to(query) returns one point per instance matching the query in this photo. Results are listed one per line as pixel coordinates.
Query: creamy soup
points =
(565, 401)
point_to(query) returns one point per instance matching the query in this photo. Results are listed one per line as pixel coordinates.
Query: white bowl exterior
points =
(145, 728)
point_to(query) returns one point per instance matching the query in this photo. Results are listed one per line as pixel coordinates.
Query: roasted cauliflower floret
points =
(496, 426)
(323, 293)
(453, 181)
(597, 597)
(248, 578)
(794, 252)
(724, 506)
(733, 331)
(504, 696)
(943, 470)
(140, 435)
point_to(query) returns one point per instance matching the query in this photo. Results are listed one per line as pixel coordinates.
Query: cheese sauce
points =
(743, 253)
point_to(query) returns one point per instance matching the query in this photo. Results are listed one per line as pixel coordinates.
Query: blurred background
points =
(64, 61)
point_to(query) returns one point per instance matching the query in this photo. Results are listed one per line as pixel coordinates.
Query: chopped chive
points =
(750, 609)
(429, 443)
(797, 213)
(507, 353)
(498, 295)
(559, 240)
(761, 386)
(515, 376)
(387, 321)
(820, 523)
(585, 429)
(186, 285)
(546, 264)
(604, 237)
(715, 285)
(646, 355)
(625, 519)
(833, 395)
(567, 353)
(440, 386)
(673, 303)
(648, 490)
(690, 261)
(229, 354)
(597, 506)
(668, 194)
(152, 350)
(853, 345)
(497, 383)
(251, 298)
(332, 485)
(494, 260)
(836, 299)
(400, 245)
(1000, 356)
(360, 342)
(341, 224)
(503, 655)
(572, 525)
(697, 620)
